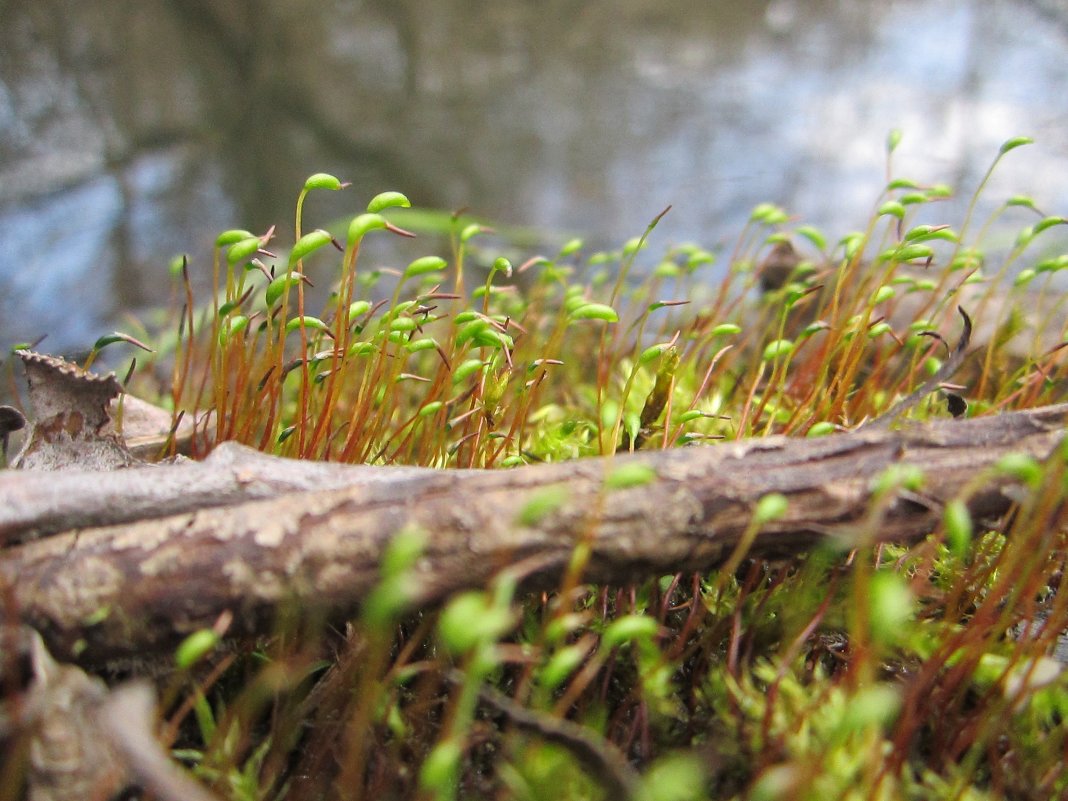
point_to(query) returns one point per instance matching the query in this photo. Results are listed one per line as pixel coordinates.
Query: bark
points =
(36, 504)
(134, 589)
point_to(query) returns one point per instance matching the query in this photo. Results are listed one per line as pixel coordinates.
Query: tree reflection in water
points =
(132, 131)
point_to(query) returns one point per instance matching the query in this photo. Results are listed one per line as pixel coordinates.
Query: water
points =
(131, 131)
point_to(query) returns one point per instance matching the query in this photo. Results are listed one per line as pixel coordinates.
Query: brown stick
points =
(134, 589)
(38, 503)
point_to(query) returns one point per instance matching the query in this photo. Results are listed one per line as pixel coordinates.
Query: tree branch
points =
(136, 588)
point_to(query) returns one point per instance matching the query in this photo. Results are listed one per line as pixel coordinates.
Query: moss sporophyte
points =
(877, 670)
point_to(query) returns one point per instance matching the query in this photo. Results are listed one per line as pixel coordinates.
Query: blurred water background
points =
(132, 130)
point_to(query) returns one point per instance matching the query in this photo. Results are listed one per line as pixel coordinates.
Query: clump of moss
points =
(888, 672)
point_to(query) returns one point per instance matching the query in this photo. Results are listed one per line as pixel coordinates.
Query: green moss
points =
(770, 674)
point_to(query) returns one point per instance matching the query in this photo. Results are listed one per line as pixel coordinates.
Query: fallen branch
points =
(136, 588)
(36, 504)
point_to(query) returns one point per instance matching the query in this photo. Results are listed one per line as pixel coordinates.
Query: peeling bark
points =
(38, 503)
(134, 589)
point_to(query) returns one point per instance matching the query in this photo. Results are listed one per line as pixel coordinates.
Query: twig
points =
(598, 756)
(138, 588)
(943, 374)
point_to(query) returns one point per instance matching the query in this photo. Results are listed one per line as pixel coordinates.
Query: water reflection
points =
(130, 131)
